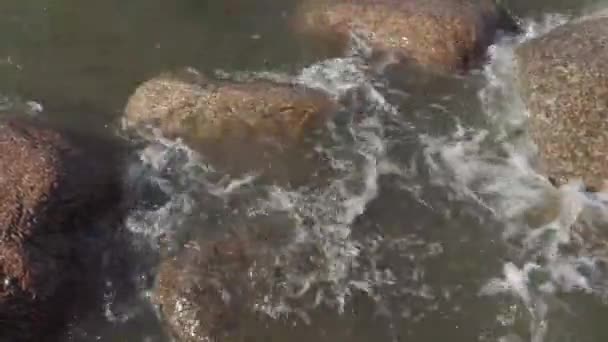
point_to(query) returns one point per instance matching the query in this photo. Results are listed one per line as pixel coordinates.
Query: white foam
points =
(335, 76)
(323, 260)
(512, 187)
(17, 105)
(515, 281)
(185, 180)
(250, 76)
(500, 97)
(323, 217)
(505, 186)
(495, 169)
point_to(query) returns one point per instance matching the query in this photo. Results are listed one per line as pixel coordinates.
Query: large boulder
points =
(241, 127)
(49, 190)
(208, 288)
(563, 78)
(187, 104)
(446, 35)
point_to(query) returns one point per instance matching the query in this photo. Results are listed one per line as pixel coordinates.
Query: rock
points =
(256, 126)
(205, 290)
(188, 105)
(209, 288)
(563, 79)
(49, 189)
(447, 35)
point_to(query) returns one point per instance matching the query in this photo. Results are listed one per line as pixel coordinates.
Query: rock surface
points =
(205, 290)
(257, 126)
(563, 77)
(187, 105)
(447, 35)
(49, 189)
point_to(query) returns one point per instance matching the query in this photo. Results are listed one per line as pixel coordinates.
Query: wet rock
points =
(186, 104)
(256, 126)
(49, 190)
(441, 34)
(205, 290)
(563, 78)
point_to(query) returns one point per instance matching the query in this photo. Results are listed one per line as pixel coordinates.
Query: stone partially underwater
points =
(443, 35)
(187, 105)
(212, 284)
(50, 192)
(563, 78)
(241, 126)
(292, 246)
(203, 292)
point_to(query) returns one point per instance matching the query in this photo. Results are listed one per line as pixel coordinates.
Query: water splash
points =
(15, 105)
(323, 217)
(174, 181)
(550, 246)
(324, 263)
(500, 97)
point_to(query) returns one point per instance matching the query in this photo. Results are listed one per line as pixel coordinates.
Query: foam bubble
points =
(323, 217)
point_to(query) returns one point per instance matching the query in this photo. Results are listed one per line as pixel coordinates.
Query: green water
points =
(81, 60)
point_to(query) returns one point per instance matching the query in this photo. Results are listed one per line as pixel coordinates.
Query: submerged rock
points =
(443, 34)
(211, 288)
(204, 291)
(189, 106)
(49, 190)
(563, 78)
(257, 126)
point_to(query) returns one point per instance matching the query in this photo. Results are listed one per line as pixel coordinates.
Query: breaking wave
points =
(396, 219)
(550, 232)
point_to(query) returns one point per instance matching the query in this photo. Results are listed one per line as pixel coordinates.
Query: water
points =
(430, 226)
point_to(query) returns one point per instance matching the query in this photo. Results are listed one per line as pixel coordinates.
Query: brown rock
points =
(563, 77)
(48, 189)
(203, 292)
(208, 290)
(444, 34)
(257, 126)
(187, 105)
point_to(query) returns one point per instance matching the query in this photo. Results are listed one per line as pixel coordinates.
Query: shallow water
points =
(431, 225)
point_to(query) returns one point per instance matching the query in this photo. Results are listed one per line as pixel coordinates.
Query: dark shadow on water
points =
(111, 305)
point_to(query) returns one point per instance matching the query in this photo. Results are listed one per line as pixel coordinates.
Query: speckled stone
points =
(445, 35)
(191, 291)
(563, 77)
(215, 110)
(206, 290)
(48, 189)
